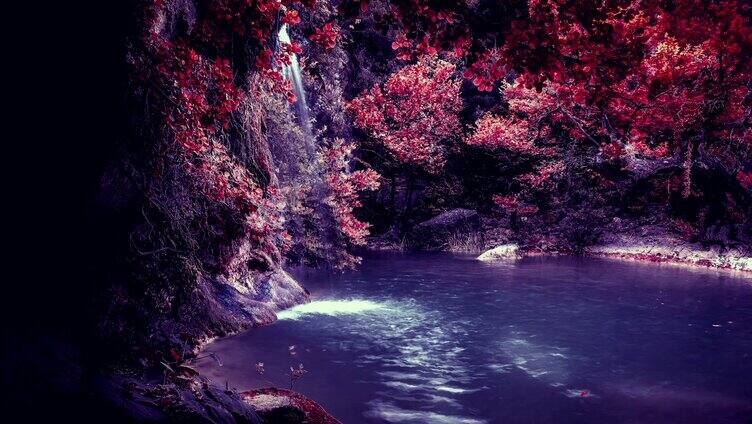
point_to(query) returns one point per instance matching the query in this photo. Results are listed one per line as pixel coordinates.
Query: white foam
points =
(401, 375)
(403, 386)
(501, 368)
(441, 399)
(330, 308)
(452, 389)
(536, 360)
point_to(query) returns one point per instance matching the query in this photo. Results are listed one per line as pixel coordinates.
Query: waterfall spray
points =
(292, 72)
(313, 173)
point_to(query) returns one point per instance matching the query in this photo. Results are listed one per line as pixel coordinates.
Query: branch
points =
(580, 126)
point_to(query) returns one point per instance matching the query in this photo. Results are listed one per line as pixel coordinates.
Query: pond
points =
(443, 338)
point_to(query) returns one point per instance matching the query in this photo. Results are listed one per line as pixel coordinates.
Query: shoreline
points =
(276, 402)
(684, 256)
(679, 255)
(177, 392)
(287, 405)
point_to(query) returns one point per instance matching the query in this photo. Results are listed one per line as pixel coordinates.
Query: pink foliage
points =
(344, 187)
(326, 36)
(745, 179)
(291, 17)
(487, 70)
(507, 202)
(529, 112)
(543, 176)
(200, 95)
(613, 151)
(645, 74)
(493, 131)
(417, 108)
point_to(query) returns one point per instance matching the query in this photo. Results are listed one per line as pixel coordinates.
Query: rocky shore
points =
(185, 396)
(175, 392)
(276, 405)
(467, 231)
(684, 256)
(651, 243)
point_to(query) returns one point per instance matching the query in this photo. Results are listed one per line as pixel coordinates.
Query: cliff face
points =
(191, 202)
(160, 218)
(180, 184)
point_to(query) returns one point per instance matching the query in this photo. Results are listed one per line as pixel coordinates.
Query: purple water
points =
(440, 338)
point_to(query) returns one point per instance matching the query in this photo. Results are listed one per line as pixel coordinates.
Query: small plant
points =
(297, 373)
(465, 243)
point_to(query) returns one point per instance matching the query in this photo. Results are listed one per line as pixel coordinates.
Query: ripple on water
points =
(389, 412)
(549, 364)
(421, 364)
(457, 342)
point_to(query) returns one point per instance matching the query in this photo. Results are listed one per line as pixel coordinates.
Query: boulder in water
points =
(498, 253)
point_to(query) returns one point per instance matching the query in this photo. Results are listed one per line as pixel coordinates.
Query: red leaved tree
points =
(414, 113)
(344, 188)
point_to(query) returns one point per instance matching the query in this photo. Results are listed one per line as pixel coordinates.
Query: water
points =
(442, 338)
(292, 72)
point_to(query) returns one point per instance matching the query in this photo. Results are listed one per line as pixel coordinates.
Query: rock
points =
(279, 290)
(186, 400)
(258, 297)
(503, 252)
(212, 404)
(687, 254)
(438, 232)
(285, 406)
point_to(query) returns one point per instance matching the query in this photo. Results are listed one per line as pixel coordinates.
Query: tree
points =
(344, 187)
(416, 110)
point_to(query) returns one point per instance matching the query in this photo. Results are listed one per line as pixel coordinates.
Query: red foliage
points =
(199, 94)
(415, 111)
(326, 36)
(344, 187)
(613, 151)
(745, 179)
(650, 74)
(227, 18)
(543, 175)
(404, 47)
(530, 114)
(487, 70)
(492, 131)
(203, 92)
(512, 203)
(291, 17)
(507, 202)
(434, 26)
(646, 78)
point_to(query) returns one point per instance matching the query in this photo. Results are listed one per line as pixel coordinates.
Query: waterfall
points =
(292, 72)
(304, 158)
